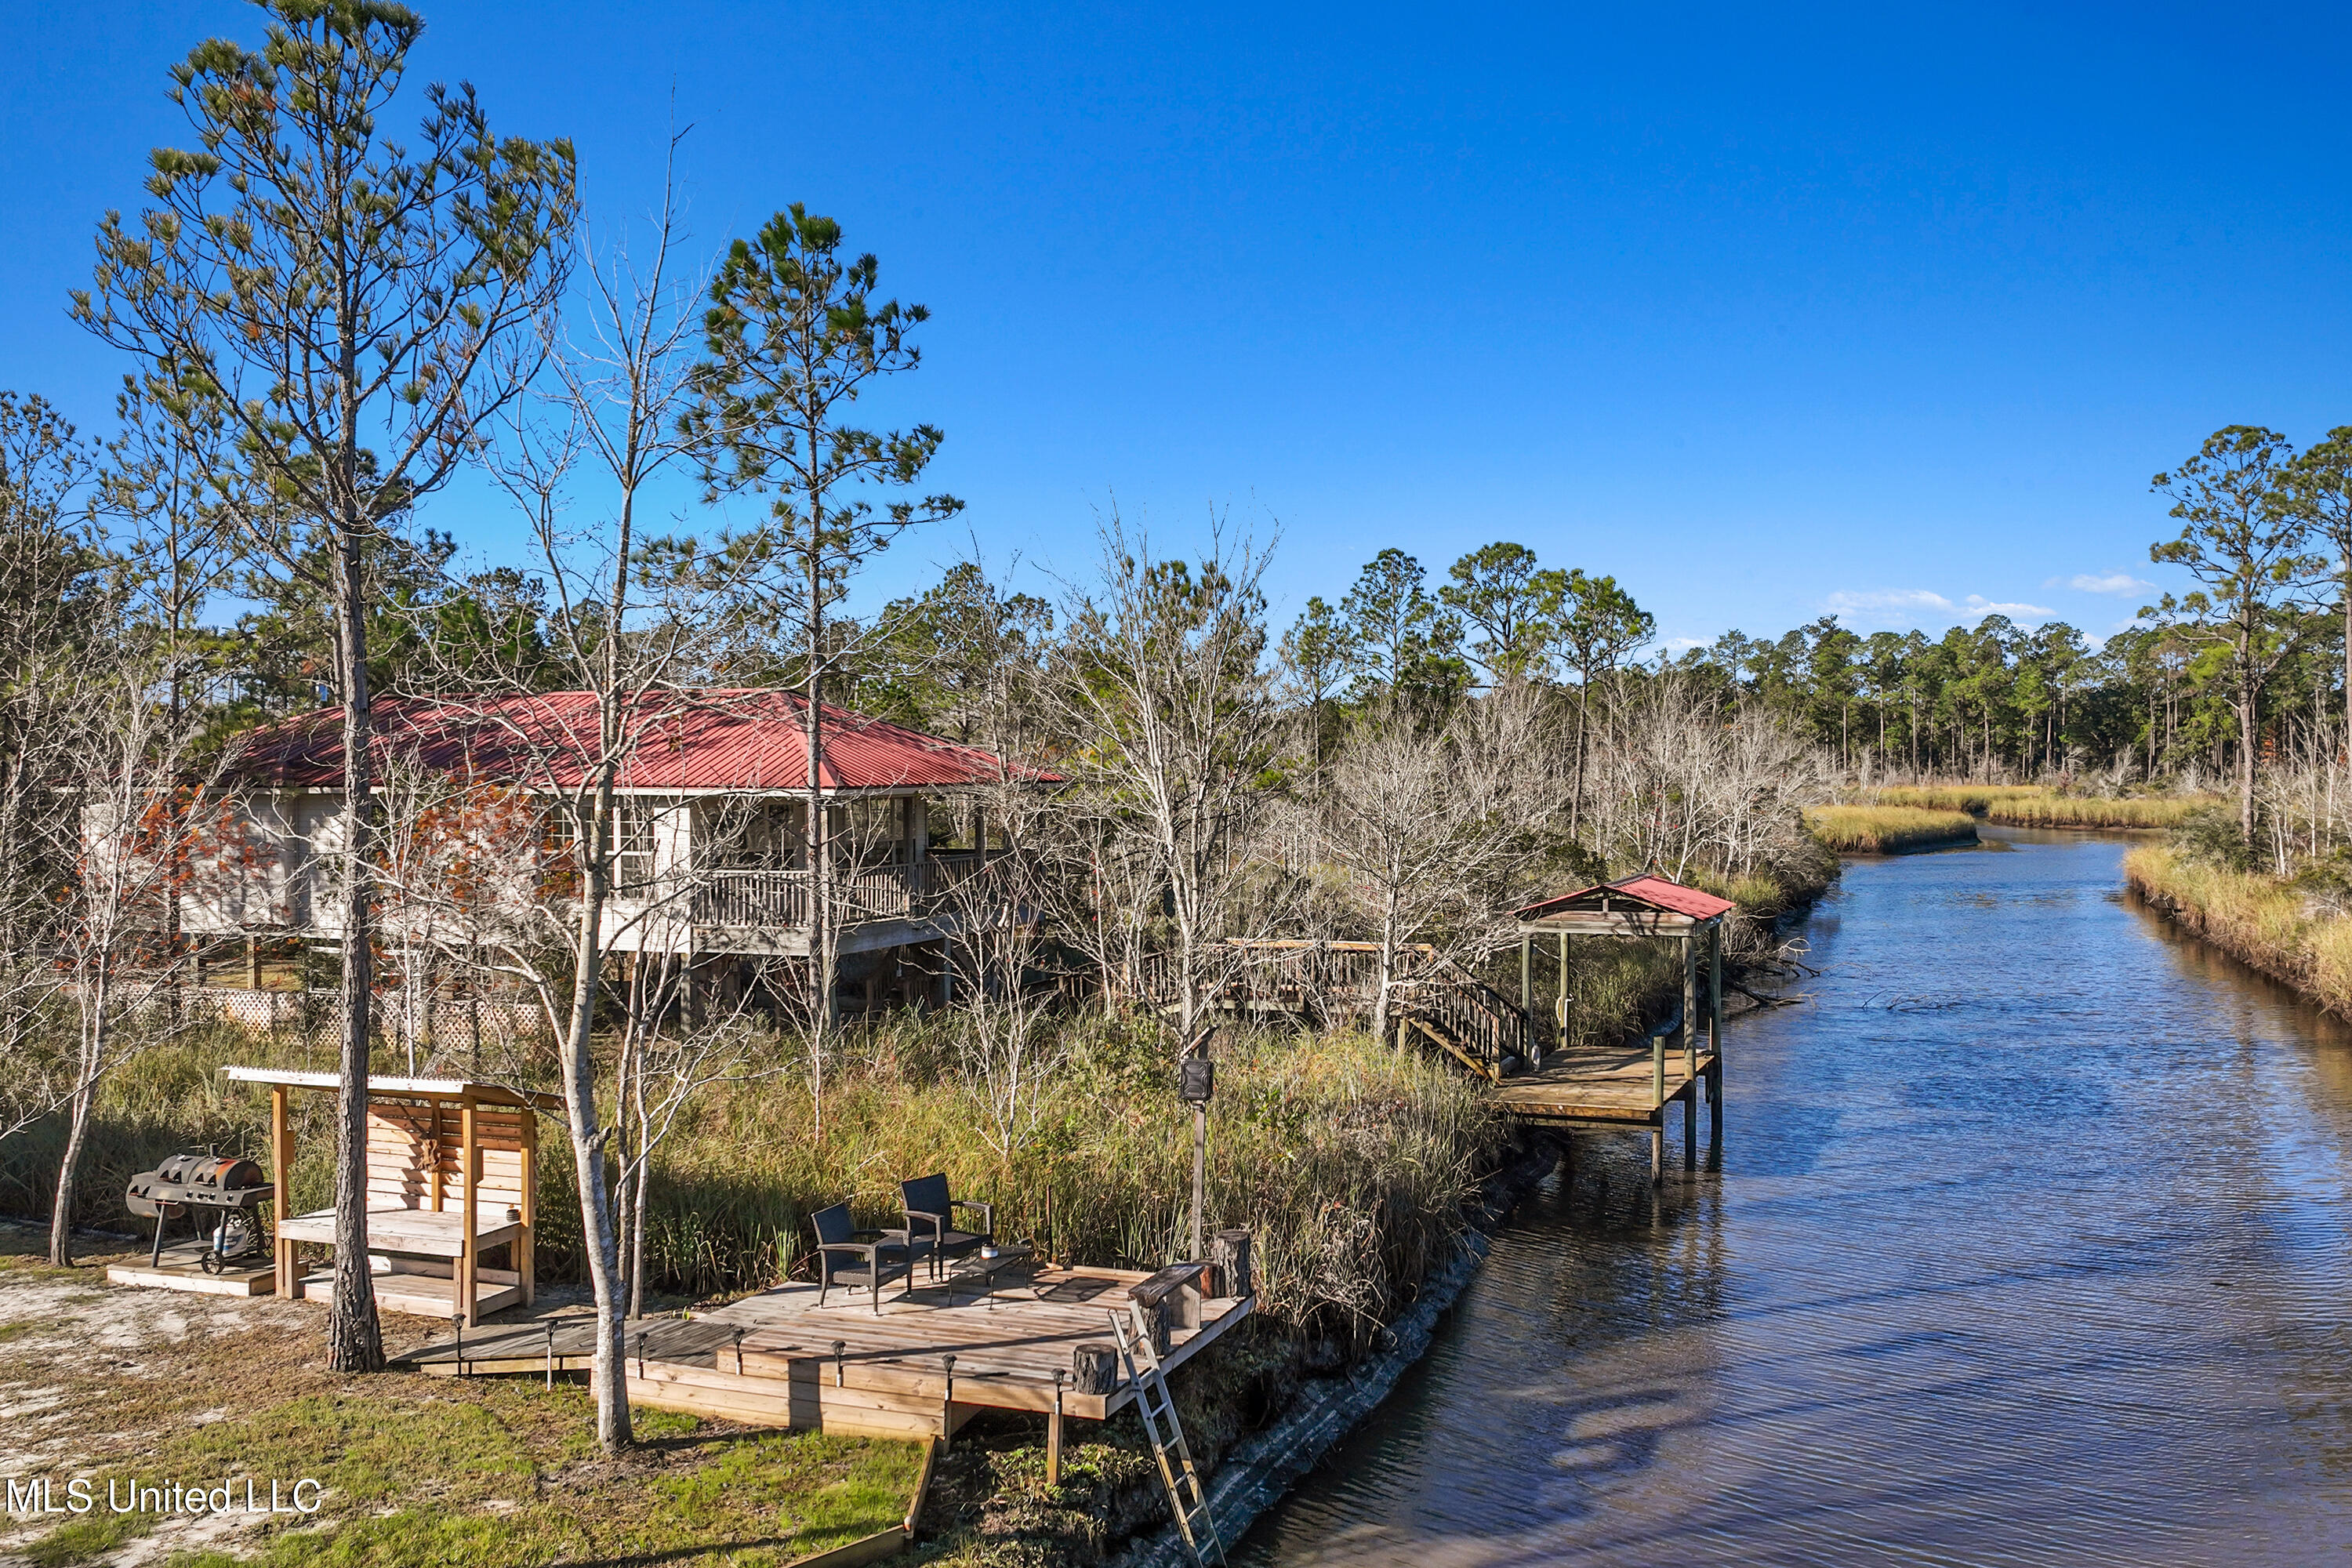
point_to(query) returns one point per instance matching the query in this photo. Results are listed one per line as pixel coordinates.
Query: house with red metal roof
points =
(712, 821)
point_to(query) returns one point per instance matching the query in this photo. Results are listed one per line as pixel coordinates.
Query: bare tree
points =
(349, 312)
(1433, 821)
(145, 817)
(1171, 711)
(634, 624)
(55, 602)
(1686, 783)
(1170, 708)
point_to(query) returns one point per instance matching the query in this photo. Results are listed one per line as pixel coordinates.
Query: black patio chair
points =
(869, 1257)
(932, 1220)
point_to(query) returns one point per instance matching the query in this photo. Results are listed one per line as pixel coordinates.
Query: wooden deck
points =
(1616, 1086)
(779, 1359)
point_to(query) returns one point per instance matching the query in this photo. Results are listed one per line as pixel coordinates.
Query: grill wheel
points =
(236, 1236)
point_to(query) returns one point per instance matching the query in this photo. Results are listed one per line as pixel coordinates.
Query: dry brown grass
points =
(1887, 829)
(2031, 805)
(2260, 920)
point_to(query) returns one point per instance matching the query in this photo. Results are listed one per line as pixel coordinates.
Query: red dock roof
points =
(684, 741)
(1658, 892)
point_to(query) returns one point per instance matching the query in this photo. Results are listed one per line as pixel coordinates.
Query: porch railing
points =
(919, 889)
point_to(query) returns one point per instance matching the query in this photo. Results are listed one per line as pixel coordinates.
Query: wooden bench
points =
(452, 1169)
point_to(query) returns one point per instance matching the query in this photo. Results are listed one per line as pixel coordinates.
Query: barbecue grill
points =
(207, 1187)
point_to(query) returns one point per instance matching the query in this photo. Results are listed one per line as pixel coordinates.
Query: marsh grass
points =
(2032, 805)
(1350, 1161)
(2275, 926)
(1887, 829)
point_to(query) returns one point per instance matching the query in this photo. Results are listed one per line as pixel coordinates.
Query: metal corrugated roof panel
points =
(684, 741)
(1659, 892)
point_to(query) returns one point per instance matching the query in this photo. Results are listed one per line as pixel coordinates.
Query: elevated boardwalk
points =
(921, 1368)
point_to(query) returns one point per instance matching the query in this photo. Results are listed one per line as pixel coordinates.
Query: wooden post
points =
(1564, 1002)
(1690, 1125)
(1658, 1151)
(1715, 1034)
(1690, 1005)
(466, 1176)
(1658, 1071)
(528, 1278)
(281, 1174)
(1714, 989)
(1054, 1435)
(947, 1404)
(253, 963)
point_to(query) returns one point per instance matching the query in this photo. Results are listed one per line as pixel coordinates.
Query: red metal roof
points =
(1658, 892)
(684, 741)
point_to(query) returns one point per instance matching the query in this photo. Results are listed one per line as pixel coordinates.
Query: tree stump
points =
(1096, 1367)
(1228, 1251)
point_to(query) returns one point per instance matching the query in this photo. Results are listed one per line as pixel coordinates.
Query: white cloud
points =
(1899, 608)
(1678, 644)
(1977, 606)
(1891, 599)
(2122, 582)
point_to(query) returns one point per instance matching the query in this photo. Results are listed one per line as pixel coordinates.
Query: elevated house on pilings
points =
(1618, 1085)
(710, 824)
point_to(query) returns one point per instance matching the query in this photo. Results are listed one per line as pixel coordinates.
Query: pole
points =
(1564, 1004)
(1690, 1005)
(1054, 1433)
(1200, 1174)
(1715, 1036)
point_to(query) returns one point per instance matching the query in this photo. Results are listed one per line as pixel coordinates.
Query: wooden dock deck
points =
(1608, 1086)
(778, 1359)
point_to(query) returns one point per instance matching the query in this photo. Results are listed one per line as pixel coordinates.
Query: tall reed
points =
(2032, 805)
(1887, 829)
(1349, 1161)
(2288, 932)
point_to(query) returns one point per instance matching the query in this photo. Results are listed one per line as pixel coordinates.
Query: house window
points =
(633, 843)
(633, 847)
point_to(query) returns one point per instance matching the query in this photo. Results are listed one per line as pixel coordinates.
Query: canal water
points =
(2028, 1246)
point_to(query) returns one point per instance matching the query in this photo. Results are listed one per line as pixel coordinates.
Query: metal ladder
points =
(1186, 1499)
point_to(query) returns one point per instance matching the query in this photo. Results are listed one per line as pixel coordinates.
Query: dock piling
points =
(1053, 1434)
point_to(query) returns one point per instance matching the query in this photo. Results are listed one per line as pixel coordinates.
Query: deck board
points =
(890, 1368)
(1606, 1084)
(428, 1232)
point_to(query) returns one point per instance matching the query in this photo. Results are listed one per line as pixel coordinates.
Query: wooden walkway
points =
(778, 1359)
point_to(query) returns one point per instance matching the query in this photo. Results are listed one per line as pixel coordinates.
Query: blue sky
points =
(1888, 312)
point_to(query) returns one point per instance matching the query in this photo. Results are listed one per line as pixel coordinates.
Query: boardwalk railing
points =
(1474, 1022)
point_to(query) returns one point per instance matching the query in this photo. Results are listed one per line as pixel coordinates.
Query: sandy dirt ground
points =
(94, 1376)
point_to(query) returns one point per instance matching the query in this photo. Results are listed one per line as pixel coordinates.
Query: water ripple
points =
(2031, 1247)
